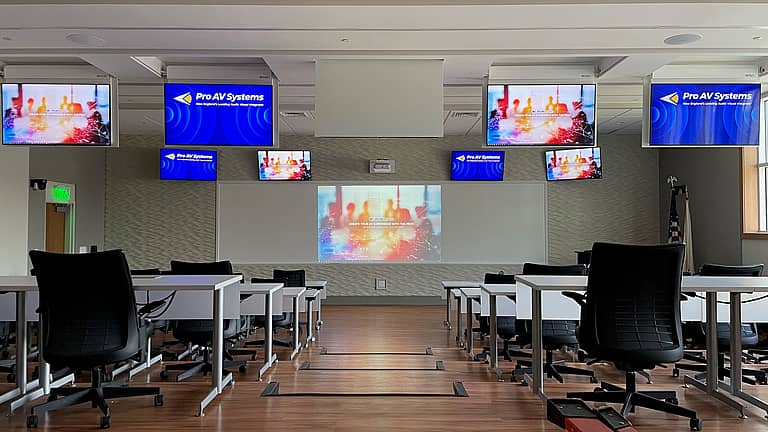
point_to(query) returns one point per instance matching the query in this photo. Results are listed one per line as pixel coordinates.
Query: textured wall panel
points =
(155, 221)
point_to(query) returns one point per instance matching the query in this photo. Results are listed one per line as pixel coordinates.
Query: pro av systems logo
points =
(171, 156)
(461, 158)
(185, 98)
(672, 98)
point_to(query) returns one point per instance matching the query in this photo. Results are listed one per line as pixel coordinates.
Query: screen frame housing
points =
(258, 161)
(273, 82)
(546, 173)
(648, 81)
(503, 163)
(484, 113)
(114, 126)
(160, 171)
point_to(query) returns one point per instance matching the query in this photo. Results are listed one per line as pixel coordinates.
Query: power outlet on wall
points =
(380, 284)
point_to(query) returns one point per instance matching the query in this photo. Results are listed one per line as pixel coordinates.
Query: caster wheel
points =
(105, 422)
(32, 421)
(675, 372)
(164, 374)
(11, 378)
(697, 424)
(592, 380)
(158, 400)
(242, 369)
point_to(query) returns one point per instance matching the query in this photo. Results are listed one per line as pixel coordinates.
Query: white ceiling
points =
(623, 40)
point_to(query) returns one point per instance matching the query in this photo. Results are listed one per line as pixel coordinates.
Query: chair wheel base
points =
(159, 400)
(242, 369)
(32, 421)
(697, 424)
(105, 422)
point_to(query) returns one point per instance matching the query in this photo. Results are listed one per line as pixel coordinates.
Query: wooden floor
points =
(491, 405)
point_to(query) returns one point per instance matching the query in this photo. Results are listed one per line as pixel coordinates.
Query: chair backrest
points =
(143, 272)
(499, 278)
(633, 304)
(554, 270)
(266, 280)
(723, 270)
(88, 308)
(291, 278)
(201, 268)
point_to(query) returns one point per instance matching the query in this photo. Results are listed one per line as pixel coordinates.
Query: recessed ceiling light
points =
(757, 38)
(683, 39)
(85, 39)
(345, 40)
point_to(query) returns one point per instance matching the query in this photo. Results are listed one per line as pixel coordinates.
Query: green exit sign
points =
(61, 194)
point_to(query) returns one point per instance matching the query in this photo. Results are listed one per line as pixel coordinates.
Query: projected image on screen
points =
(73, 114)
(379, 223)
(541, 115)
(574, 164)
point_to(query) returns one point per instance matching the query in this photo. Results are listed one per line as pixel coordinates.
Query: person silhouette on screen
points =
(528, 108)
(43, 108)
(64, 104)
(550, 106)
(389, 212)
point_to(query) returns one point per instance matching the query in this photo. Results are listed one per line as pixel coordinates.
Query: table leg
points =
(469, 339)
(459, 334)
(21, 349)
(537, 386)
(319, 311)
(735, 342)
(494, 342)
(267, 334)
(296, 329)
(447, 322)
(712, 366)
(218, 381)
(310, 334)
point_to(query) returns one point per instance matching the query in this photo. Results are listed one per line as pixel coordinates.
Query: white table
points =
(447, 287)
(318, 285)
(494, 291)
(711, 285)
(215, 285)
(268, 291)
(294, 294)
(470, 295)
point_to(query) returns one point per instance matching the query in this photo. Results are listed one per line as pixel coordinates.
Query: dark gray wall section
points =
(155, 221)
(83, 167)
(712, 176)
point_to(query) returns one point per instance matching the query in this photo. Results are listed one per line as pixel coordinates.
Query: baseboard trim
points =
(385, 300)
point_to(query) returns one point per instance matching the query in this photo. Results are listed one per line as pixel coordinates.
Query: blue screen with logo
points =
(218, 114)
(705, 114)
(477, 165)
(181, 164)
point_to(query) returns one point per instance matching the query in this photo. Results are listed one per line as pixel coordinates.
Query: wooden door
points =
(55, 228)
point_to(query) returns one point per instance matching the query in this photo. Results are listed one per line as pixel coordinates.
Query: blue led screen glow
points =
(704, 115)
(218, 115)
(477, 165)
(182, 164)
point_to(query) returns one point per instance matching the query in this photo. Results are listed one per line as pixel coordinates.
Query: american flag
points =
(673, 235)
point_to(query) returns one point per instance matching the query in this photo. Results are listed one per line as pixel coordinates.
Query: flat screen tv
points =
(477, 165)
(219, 115)
(379, 222)
(284, 165)
(181, 164)
(574, 164)
(541, 115)
(702, 115)
(56, 114)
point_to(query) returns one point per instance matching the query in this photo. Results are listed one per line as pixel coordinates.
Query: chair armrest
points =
(581, 299)
(150, 307)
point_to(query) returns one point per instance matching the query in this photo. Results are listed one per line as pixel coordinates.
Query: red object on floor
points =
(586, 425)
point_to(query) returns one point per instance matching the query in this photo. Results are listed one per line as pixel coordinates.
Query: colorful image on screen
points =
(284, 165)
(705, 114)
(574, 164)
(379, 223)
(50, 114)
(541, 115)
(187, 165)
(477, 165)
(218, 114)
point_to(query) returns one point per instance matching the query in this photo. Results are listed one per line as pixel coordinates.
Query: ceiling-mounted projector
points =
(382, 166)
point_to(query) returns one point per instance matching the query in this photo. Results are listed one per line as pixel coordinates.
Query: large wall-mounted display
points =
(379, 223)
(703, 115)
(545, 115)
(180, 164)
(56, 114)
(219, 115)
(477, 165)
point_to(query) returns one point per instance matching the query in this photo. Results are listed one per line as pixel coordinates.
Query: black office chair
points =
(505, 326)
(749, 334)
(200, 332)
(88, 308)
(633, 321)
(290, 278)
(555, 334)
